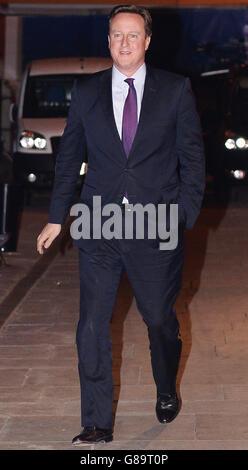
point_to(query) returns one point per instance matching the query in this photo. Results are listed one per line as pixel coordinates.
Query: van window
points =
(49, 96)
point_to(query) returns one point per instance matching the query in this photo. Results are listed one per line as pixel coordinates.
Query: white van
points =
(41, 112)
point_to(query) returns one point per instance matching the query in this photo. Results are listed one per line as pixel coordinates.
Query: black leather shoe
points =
(92, 435)
(167, 407)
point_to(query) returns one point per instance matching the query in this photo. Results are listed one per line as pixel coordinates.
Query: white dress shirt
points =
(120, 91)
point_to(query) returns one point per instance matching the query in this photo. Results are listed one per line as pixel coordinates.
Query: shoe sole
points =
(86, 443)
(168, 420)
(172, 419)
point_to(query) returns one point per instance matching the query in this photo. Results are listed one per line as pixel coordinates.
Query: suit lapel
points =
(147, 106)
(105, 94)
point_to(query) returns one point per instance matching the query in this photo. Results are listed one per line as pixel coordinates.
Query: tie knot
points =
(129, 81)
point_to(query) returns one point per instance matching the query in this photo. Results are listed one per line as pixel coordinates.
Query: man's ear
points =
(108, 40)
(148, 39)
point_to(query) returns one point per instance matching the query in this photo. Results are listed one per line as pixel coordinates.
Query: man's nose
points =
(124, 41)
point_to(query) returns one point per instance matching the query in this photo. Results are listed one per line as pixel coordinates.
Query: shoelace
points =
(167, 403)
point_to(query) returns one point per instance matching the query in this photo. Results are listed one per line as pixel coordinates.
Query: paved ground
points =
(39, 387)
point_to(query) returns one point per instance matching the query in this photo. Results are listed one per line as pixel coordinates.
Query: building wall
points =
(186, 40)
(2, 29)
(2, 33)
(223, 3)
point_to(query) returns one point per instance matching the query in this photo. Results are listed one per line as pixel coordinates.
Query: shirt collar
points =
(118, 77)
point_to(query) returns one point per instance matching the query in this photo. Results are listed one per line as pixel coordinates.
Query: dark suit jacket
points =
(166, 161)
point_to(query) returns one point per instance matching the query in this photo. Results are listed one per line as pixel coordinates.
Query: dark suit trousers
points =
(156, 278)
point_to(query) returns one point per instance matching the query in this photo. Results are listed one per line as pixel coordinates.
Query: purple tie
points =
(130, 119)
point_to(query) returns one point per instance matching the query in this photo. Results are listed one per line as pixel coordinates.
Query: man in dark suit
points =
(140, 131)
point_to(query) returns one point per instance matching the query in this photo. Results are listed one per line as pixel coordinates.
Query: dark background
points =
(190, 40)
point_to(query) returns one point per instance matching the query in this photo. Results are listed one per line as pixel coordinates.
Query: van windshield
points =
(49, 96)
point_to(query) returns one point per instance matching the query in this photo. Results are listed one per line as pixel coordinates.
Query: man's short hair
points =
(142, 11)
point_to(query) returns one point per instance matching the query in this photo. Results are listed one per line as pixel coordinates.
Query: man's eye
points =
(133, 36)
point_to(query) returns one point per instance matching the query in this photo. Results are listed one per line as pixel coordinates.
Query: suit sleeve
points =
(190, 151)
(72, 152)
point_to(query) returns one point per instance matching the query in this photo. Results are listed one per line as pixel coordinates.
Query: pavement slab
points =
(39, 386)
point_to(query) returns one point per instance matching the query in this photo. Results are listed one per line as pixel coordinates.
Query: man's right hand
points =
(46, 237)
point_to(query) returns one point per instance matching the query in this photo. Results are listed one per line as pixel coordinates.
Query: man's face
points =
(127, 42)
